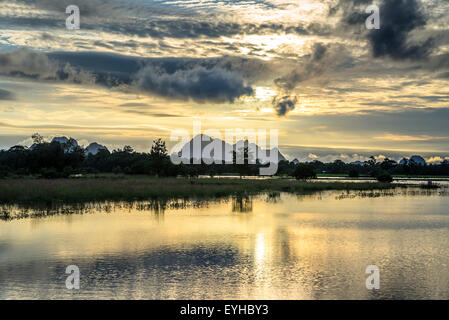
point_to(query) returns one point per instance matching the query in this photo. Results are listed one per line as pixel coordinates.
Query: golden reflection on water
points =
(265, 247)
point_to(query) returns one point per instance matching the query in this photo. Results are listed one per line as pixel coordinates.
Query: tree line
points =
(58, 160)
(61, 160)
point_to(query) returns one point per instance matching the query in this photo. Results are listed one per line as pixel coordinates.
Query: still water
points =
(266, 247)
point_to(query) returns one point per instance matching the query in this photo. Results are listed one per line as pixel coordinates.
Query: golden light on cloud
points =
(264, 93)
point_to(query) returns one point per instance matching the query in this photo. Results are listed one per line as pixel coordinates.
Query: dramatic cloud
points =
(215, 80)
(201, 80)
(27, 63)
(37, 65)
(199, 84)
(399, 19)
(284, 104)
(322, 59)
(314, 65)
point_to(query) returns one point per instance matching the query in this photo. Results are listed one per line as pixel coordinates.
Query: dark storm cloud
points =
(200, 84)
(203, 80)
(398, 18)
(37, 65)
(215, 80)
(6, 95)
(108, 69)
(282, 105)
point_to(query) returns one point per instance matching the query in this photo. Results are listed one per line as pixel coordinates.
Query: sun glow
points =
(264, 93)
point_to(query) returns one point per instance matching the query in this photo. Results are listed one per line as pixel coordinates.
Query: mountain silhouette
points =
(209, 145)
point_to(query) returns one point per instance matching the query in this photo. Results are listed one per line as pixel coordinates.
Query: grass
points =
(345, 175)
(143, 188)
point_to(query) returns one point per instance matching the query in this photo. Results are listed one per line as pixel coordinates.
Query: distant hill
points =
(207, 148)
(94, 148)
(70, 144)
(418, 160)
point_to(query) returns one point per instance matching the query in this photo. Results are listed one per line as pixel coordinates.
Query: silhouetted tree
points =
(160, 163)
(37, 138)
(304, 172)
(384, 177)
(388, 164)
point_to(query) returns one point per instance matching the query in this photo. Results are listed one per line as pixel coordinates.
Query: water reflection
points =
(20, 211)
(313, 246)
(242, 204)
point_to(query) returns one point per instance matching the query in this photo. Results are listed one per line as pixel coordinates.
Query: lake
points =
(270, 246)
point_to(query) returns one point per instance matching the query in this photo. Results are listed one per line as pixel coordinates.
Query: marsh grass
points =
(144, 188)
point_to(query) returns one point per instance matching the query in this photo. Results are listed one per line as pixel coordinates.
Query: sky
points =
(137, 70)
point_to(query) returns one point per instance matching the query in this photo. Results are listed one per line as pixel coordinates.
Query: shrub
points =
(385, 177)
(304, 172)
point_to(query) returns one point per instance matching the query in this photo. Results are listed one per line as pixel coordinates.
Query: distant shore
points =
(142, 188)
